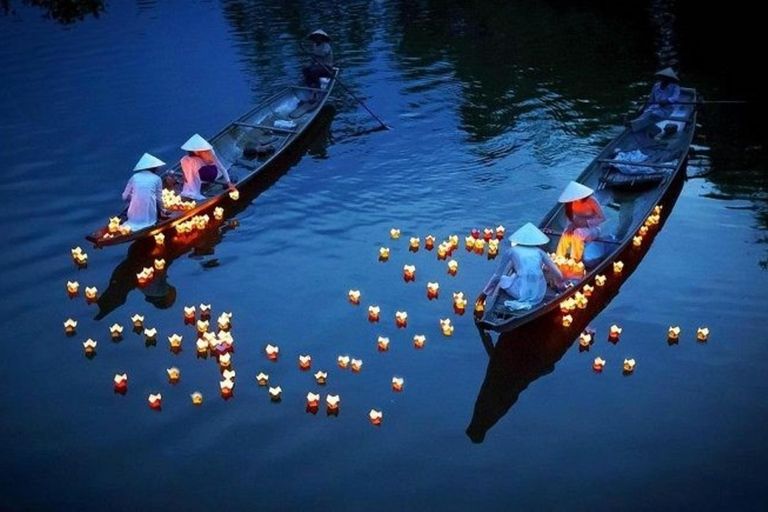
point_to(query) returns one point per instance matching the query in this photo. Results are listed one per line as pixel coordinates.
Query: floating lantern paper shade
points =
(479, 246)
(114, 224)
(305, 362)
(125, 229)
(673, 333)
(174, 374)
(272, 352)
(429, 242)
(159, 239)
(354, 296)
(702, 333)
(445, 325)
(155, 401)
(419, 340)
(202, 326)
(414, 243)
(580, 300)
(453, 267)
(202, 346)
(637, 241)
(262, 379)
(433, 290)
(332, 402)
(629, 365)
(394, 233)
(226, 386)
(500, 232)
(493, 247)
(383, 343)
(197, 398)
(600, 280)
(225, 360)
(73, 287)
(469, 243)
(384, 253)
(614, 333)
(375, 417)
(401, 319)
(120, 382)
(343, 361)
(356, 364)
(76, 251)
(234, 195)
(205, 310)
(116, 331)
(313, 399)
(159, 264)
(453, 241)
(442, 251)
(643, 231)
(150, 334)
(587, 290)
(598, 364)
(479, 307)
(373, 313)
(585, 339)
(91, 292)
(223, 321)
(218, 213)
(70, 326)
(275, 393)
(397, 384)
(459, 303)
(409, 272)
(175, 340)
(229, 374)
(487, 234)
(321, 377)
(138, 320)
(189, 313)
(89, 346)
(567, 320)
(475, 233)
(657, 209)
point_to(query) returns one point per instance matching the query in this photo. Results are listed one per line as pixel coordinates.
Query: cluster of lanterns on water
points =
(174, 202)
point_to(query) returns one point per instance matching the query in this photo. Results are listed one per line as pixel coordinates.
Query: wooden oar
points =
(384, 126)
(702, 102)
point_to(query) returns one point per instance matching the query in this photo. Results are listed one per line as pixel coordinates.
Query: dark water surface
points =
(494, 107)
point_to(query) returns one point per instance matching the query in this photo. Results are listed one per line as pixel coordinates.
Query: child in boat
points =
(200, 165)
(520, 272)
(584, 215)
(145, 193)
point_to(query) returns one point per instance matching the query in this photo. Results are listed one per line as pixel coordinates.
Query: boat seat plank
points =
(636, 164)
(270, 128)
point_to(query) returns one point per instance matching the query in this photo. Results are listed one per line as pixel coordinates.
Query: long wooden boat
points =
(247, 146)
(631, 177)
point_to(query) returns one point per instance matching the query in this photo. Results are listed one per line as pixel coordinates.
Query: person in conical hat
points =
(144, 192)
(322, 59)
(520, 273)
(661, 103)
(583, 216)
(201, 165)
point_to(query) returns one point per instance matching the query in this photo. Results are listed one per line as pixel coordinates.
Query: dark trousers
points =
(313, 73)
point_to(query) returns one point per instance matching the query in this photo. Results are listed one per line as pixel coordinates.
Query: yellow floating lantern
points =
(446, 327)
(587, 290)
(174, 374)
(91, 293)
(459, 303)
(401, 319)
(197, 398)
(159, 239)
(357, 365)
(567, 320)
(321, 378)
(343, 362)
(89, 346)
(469, 243)
(305, 362)
(138, 320)
(629, 365)
(453, 267)
(225, 360)
(429, 242)
(383, 253)
(479, 307)
(702, 333)
(201, 346)
(414, 244)
(673, 333)
(116, 331)
(120, 382)
(223, 322)
(332, 403)
(373, 313)
(397, 384)
(114, 225)
(600, 280)
(70, 326)
(155, 401)
(598, 364)
(159, 264)
(262, 378)
(479, 246)
(614, 333)
(643, 231)
(313, 399)
(419, 340)
(72, 288)
(637, 241)
(433, 290)
(218, 213)
(234, 195)
(375, 417)
(383, 343)
(226, 387)
(493, 248)
(394, 233)
(585, 339)
(202, 326)
(580, 300)
(409, 272)
(272, 351)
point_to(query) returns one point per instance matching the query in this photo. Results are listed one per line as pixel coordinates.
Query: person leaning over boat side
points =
(200, 165)
(145, 193)
(660, 104)
(521, 270)
(322, 59)
(584, 216)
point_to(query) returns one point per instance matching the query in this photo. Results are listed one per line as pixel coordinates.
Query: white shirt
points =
(521, 274)
(190, 165)
(145, 191)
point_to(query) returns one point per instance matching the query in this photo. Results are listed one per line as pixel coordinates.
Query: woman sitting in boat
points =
(660, 104)
(145, 193)
(584, 216)
(520, 272)
(201, 165)
(322, 59)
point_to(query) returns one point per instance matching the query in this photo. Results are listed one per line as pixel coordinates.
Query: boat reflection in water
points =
(522, 355)
(143, 252)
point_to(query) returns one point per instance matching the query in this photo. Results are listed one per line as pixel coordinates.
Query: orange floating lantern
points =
(637, 241)
(313, 399)
(357, 365)
(499, 232)
(383, 344)
(600, 280)
(332, 404)
(409, 273)
(305, 362)
(116, 331)
(433, 290)
(70, 326)
(487, 234)
(138, 321)
(197, 398)
(585, 339)
(262, 378)
(276, 393)
(453, 267)
(414, 244)
(227, 388)
(91, 293)
(598, 364)
(459, 303)
(446, 327)
(321, 378)
(567, 320)
(702, 333)
(375, 417)
(225, 360)
(397, 384)
(401, 319)
(72, 288)
(419, 340)
(629, 365)
(343, 362)
(174, 374)
(373, 313)
(89, 346)
(479, 247)
(159, 264)
(354, 297)
(383, 253)
(614, 333)
(218, 213)
(429, 242)
(272, 351)
(673, 333)
(155, 401)
(394, 233)
(469, 243)
(120, 383)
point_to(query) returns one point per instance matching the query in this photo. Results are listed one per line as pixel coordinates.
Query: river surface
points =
(493, 107)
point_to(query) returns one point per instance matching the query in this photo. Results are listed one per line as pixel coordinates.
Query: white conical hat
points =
(528, 235)
(575, 191)
(196, 143)
(148, 162)
(320, 33)
(669, 73)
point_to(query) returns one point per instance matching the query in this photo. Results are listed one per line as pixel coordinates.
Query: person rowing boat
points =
(661, 102)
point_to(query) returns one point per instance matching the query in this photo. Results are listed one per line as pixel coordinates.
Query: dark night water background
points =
(494, 107)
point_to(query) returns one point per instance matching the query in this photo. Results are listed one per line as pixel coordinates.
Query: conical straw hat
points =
(148, 162)
(196, 143)
(528, 235)
(669, 73)
(319, 33)
(575, 191)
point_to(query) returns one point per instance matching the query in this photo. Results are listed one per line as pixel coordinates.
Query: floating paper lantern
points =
(479, 307)
(81, 259)
(598, 364)
(580, 300)
(262, 379)
(479, 247)
(89, 346)
(567, 320)
(275, 394)
(229, 375)
(459, 303)
(354, 297)
(429, 242)
(493, 249)
(445, 325)
(305, 362)
(500, 232)
(234, 195)
(414, 244)
(409, 273)
(453, 267)
(383, 344)
(189, 314)
(357, 365)
(197, 398)
(226, 386)
(637, 241)
(643, 231)
(120, 383)
(223, 322)
(657, 209)
(702, 333)
(373, 313)
(155, 401)
(401, 319)
(175, 341)
(116, 331)
(70, 326)
(332, 403)
(585, 339)
(201, 346)
(614, 333)
(469, 243)
(91, 293)
(673, 333)
(159, 239)
(419, 340)
(114, 225)
(202, 326)
(72, 288)
(218, 213)
(397, 384)
(142, 278)
(225, 360)
(600, 280)
(138, 320)
(321, 378)
(394, 233)
(383, 253)
(442, 251)
(375, 417)
(629, 365)
(272, 351)
(313, 399)
(567, 305)
(587, 290)
(205, 311)
(174, 374)
(159, 264)
(343, 361)
(433, 290)
(76, 251)
(475, 233)
(487, 234)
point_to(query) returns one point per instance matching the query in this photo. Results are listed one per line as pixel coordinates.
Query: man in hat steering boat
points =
(322, 59)
(660, 104)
